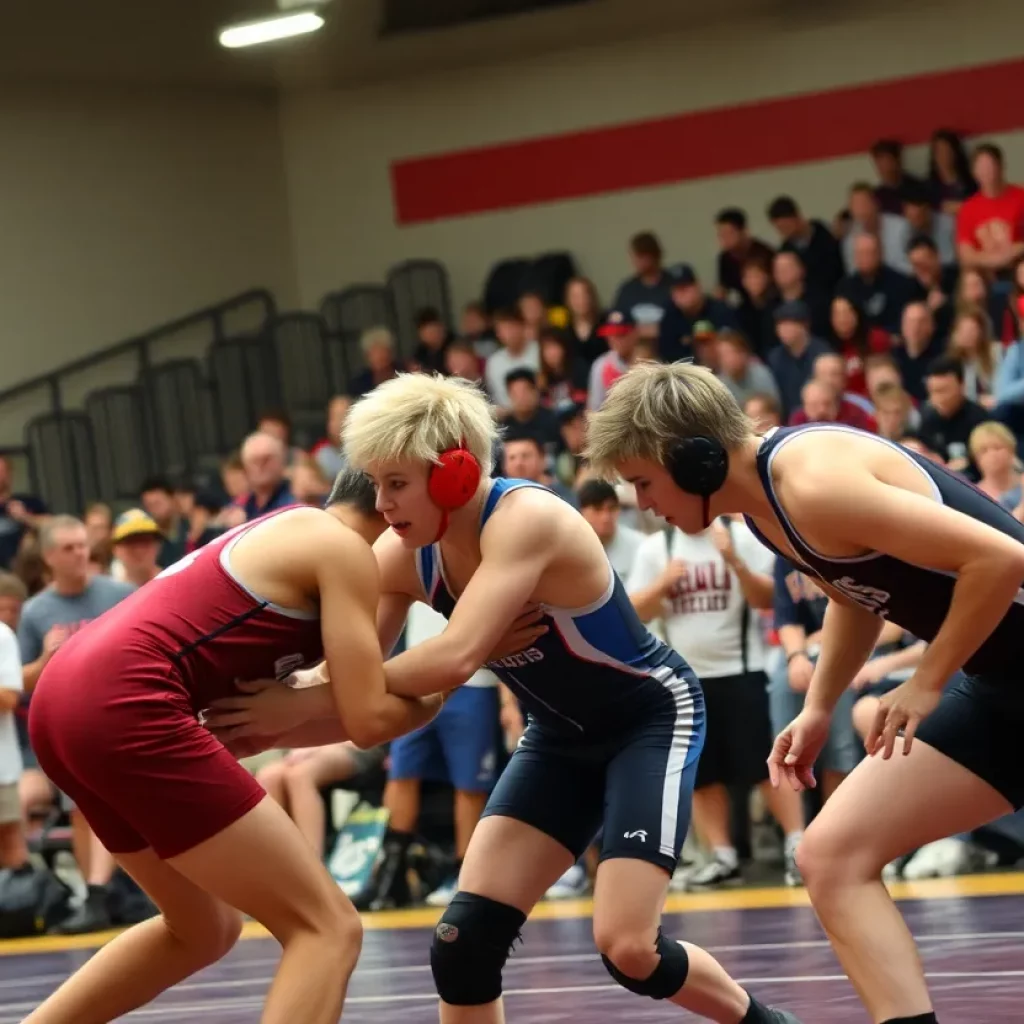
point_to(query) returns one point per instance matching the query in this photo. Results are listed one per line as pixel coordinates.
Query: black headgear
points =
(699, 466)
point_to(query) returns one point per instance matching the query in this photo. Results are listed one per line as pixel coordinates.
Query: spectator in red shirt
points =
(822, 404)
(990, 225)
(831, 368)
(855, 339)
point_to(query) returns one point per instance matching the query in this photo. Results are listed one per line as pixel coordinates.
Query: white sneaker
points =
(714, 874)
(570, 886)
(443, 894)
(945, 858)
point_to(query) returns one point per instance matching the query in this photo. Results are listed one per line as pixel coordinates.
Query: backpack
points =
(31, 902)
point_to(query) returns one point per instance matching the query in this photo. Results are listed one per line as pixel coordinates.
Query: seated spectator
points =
(563, 375)
(812, 241)
(263, 457)
(867, 218)
(309, 485)
(990, 225)
(931, 282)
(462, 361)
(950, 417)
(873, 287)
(740, 371)
(1009, 389)
(13, 848)
(232, 478)
(19, 513)
(31, 568)
(99, 520)
(459, 746)
(831, 368)
(599, 504)
(523, 458)
(993, 449)
(277, 423)
(792, 362)
(799, 614)
(735, 246)
(137, 543)
(295, 781)
(918, 347)
(525, 413)
(622, 335)
(689, 306)
(13, 595)
(756, 316)
(517, 350)
(158, 502)
(855, 340)
(534, 312)
(378, 348)
(971, 342)
(790, 277)
(47, 620)
(894, 412)
(822, 403)
(765, 412)
(572, 425)
(585, 317)
(327, 451)
(949, 172)
(645, 297)
(432, 337)
(203, 523)
(926, 222)
(475, 327)
(704, 589)
(880, 370)
(894, 183)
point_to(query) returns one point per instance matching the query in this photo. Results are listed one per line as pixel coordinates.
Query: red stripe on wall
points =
(727, 140)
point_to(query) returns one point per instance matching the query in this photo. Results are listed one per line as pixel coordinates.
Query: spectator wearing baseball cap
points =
(690, 305)
(646, 296)
(137, 541)
(792, 362)
(621, 333)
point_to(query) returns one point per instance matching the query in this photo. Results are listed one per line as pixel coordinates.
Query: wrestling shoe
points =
(714, 874)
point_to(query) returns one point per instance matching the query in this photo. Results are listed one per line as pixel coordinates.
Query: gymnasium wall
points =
(448, 164)
(122, 210)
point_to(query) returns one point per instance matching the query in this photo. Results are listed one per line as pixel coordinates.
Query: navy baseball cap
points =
(681, 275)
(796, 310)
(618, 322)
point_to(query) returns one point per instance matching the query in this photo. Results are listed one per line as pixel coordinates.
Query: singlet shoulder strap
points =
(501, 487)
(427, 569)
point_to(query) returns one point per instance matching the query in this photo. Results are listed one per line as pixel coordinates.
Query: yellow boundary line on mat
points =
(964, 886)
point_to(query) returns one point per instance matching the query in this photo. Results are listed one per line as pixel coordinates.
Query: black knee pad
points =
(471, 943)
(668, 977)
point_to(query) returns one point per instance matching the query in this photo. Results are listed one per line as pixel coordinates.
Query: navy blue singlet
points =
(597, 672)
(912, 596)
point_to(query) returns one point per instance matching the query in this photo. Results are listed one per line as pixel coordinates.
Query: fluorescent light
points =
(269, 29)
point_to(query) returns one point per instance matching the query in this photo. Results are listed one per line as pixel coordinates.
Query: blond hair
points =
(653, 405)
(417, 416)
(991, 430)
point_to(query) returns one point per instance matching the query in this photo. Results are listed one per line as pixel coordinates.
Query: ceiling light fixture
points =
(267, 30)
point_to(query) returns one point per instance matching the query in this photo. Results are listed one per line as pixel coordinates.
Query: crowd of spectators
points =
(903, 317)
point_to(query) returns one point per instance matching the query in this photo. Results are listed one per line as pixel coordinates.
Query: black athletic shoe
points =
(89, 916)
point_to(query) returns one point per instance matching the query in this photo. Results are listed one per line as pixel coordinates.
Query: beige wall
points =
(119, 211)
(338, 145)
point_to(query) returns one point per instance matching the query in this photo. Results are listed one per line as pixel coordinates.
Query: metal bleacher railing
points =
(174, 400)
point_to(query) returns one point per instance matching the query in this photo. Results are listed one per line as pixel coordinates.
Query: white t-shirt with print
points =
(10, 679)
(704, 614)
(622, 550)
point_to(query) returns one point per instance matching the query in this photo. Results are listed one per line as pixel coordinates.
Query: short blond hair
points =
(653, 405)
(417, 416)
(991, 430)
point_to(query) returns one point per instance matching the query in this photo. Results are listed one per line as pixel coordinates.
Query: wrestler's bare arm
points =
(853, 506)
(515, 552)
(349, 589)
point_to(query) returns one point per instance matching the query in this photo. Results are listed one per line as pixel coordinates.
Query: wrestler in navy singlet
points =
(616, 721)
(976, 714)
